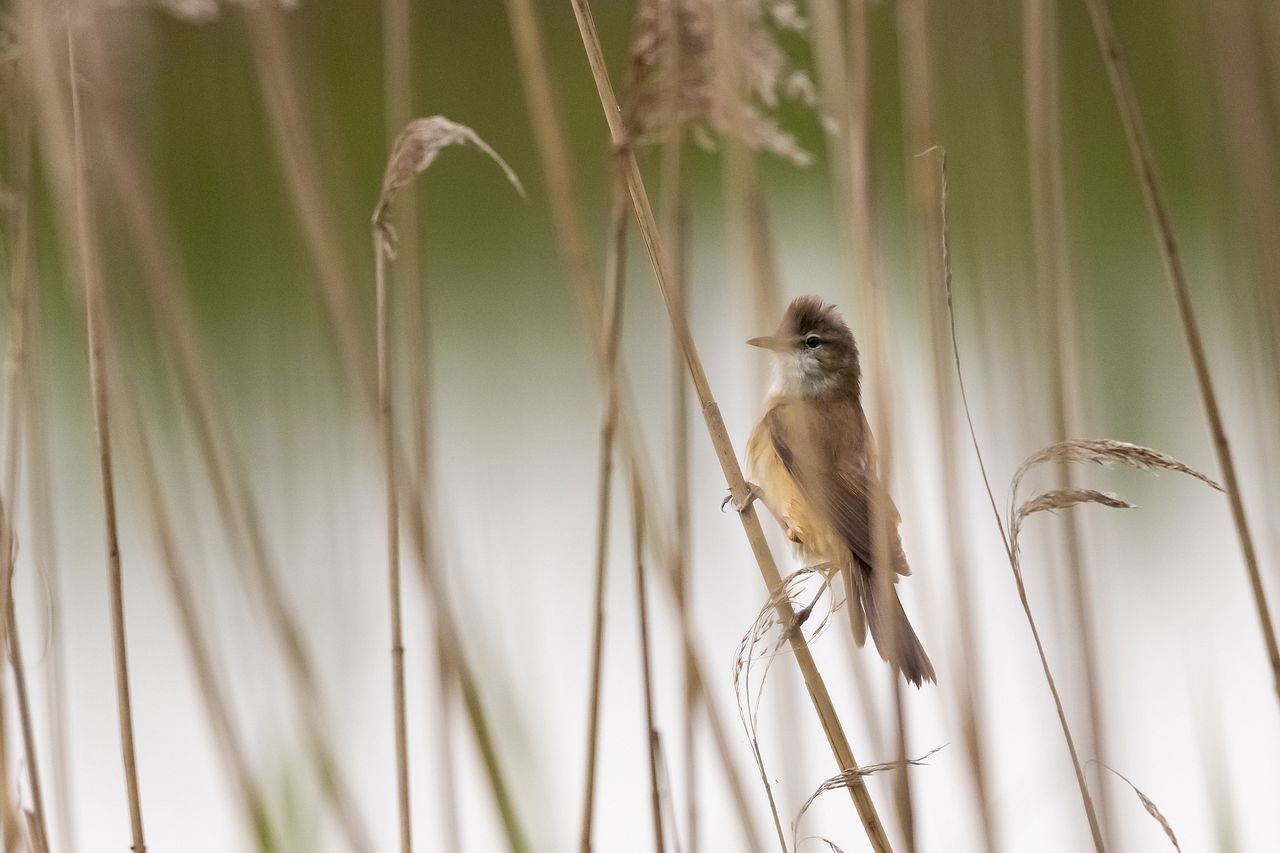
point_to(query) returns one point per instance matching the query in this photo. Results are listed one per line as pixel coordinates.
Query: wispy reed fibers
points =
(715, 423)
(1162, 223)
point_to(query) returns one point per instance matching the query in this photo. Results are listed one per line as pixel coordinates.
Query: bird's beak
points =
(768, 342)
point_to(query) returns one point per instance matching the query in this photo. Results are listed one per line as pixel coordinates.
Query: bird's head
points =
(815, 351)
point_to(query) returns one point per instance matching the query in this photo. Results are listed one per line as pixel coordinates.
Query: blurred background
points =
(229, 158)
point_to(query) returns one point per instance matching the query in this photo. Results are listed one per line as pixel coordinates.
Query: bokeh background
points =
(514, 407)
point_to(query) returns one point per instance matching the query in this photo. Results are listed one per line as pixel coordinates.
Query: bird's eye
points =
(813, 342)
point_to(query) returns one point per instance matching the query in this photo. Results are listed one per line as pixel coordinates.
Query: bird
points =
(811, 459)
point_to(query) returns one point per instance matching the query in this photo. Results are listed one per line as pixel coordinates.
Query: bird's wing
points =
(841, 482)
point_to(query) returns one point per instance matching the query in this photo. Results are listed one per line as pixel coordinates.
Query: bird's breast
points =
(804, 524)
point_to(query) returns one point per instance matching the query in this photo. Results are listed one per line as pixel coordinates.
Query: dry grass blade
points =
(771, 634)
(1091, 814)
(413, 152)
(1102, 451)
(844, 780)
(1150, 806)
(1061, 499)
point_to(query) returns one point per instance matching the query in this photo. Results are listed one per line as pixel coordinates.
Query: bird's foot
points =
(753, 494)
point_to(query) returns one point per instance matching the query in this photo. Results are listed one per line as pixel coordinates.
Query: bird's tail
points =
(895, 639)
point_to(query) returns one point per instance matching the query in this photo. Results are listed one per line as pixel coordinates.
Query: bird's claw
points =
(753, 494)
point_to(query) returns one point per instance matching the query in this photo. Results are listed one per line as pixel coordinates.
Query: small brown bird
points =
(812, 461)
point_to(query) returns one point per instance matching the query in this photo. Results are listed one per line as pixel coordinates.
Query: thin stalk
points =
(646, 666)
(221, 719)
(1161, 220)
(1052, 265)
(615, 276)
(44, 555)
(921, 132)
(674, 218)
(865, 243)
(410, 286)
(715, 423)
(163, 280)
(95, 308)
(10, 823)
(37, 823)
(21, 287)
(558, 168)
(386, 416)
(299, 164)
(1090, 812)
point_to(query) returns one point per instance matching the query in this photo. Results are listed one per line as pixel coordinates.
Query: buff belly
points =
(813, 538)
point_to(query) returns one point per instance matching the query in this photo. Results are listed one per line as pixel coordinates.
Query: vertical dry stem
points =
(558, 168)
(231, 747)
(1049, 226)
(921, 132)
(716, 427)
(95, 307)
(1091, 814)
(298, 162)
(615, 276)
(646, 665)
(387, 425)
(1161, 221)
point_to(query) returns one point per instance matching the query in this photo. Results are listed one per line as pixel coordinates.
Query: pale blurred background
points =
(515, 407)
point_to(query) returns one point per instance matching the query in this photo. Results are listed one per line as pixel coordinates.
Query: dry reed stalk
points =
(867, 251)
(715, 422)
(10, 823)
(95, 317)
(412, 153)
(163, 281)
(675, 226)
(615, 276)
(1161, 221)
(21, 286)
(646, 668)
(1054, 292)
(1090, 812)
(410, 287)
(35, 430)
(921, 131)
(37, 824)
(558, 170)
(299, 164)
(385, 416)
(217, 707)
(834, 95)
